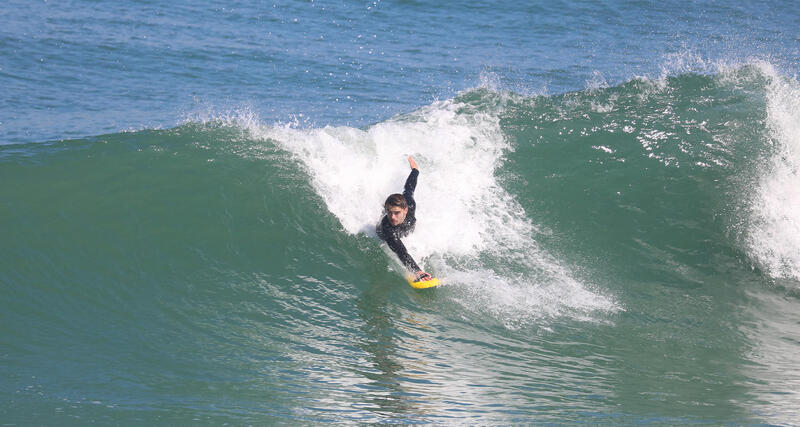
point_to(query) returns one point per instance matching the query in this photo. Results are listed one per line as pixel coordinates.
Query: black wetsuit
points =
(392, 233)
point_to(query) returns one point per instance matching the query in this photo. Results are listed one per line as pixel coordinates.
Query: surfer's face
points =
(396, 215)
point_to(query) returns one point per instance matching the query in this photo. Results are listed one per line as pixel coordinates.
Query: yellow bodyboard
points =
(423, 284)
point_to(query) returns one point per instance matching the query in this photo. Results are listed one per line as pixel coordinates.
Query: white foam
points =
(470, 231)
(774, 229)
(355, 170)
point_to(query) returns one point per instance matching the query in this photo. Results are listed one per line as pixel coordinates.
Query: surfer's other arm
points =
(397, 246)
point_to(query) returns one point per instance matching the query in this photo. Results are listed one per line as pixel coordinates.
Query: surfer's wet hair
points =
(395, 200)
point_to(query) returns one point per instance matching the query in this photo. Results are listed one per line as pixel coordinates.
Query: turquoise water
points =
(609, 194)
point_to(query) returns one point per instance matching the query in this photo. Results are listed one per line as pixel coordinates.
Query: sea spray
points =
(471, 232)
(774, 226)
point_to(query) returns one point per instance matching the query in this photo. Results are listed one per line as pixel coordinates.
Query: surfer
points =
(399, 221)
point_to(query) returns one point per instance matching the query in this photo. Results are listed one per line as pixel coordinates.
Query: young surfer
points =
(399, 221)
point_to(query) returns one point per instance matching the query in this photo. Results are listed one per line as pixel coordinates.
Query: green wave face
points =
(623, 251)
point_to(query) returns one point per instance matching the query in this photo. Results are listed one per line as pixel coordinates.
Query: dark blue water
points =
(84, 68)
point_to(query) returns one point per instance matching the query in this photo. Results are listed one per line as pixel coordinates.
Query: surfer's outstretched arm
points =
(408, 190)
(397, 246)
(411, 185)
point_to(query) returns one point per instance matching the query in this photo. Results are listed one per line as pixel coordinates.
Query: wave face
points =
(622, 253)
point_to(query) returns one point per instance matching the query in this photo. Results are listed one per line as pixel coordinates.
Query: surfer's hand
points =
(412, 163)
(423, 276)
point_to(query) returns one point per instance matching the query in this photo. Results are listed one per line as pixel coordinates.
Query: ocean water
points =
(608, 192)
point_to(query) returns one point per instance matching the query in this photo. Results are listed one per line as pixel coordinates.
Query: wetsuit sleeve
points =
(396, 245)
(411, 185)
